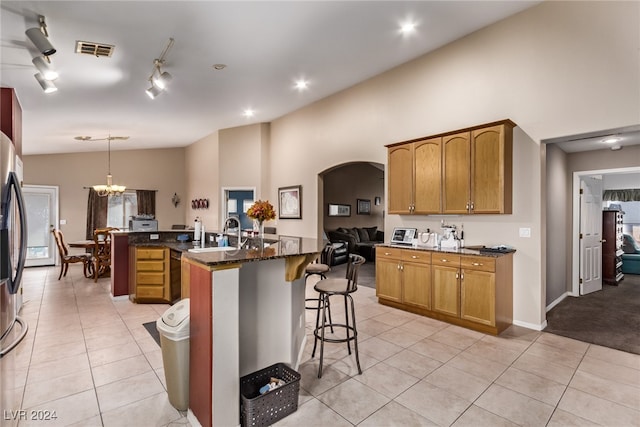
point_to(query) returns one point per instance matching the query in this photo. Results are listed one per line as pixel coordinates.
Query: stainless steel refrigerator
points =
(13, 251)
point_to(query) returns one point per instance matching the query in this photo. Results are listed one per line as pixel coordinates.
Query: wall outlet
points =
(63, 222)
(525, 232)
(154, 236)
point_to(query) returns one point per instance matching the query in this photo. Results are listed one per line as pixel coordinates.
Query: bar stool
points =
(319, 269)
(344, 287)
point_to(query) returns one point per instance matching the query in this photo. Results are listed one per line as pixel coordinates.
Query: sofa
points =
(631, 256)
(359, 240)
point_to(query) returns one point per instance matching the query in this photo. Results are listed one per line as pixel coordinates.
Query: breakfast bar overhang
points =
(247, 313)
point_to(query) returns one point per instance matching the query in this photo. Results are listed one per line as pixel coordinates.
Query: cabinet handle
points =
(387, 253)
(398, 266)
(415, 256)
(444, 260)
(457, 276)
(476, 263)
(467, 206)
(603, 241)
(462, 277)
(471, 205)
(401, 267)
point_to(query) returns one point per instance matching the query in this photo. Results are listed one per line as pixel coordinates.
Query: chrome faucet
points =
(226, 227)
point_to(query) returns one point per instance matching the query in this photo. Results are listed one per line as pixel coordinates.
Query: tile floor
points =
(89, 358)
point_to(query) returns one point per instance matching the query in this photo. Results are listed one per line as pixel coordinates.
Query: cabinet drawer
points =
(388, 253)
(150, 292)
(150, 266)
(478, 263)
(416, 256)
(449, 260)
(150, 253)
(150, 278)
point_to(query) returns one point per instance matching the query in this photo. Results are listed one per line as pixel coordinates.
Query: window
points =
(120, 208)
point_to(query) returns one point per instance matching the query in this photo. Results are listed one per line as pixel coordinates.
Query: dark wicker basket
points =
(265, 409)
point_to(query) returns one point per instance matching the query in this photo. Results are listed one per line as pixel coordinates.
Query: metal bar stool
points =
(344, 287)
(319, 268)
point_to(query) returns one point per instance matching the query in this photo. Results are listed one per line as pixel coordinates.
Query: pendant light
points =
(110, 189)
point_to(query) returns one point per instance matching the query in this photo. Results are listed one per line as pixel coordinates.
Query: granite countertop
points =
(470, 250)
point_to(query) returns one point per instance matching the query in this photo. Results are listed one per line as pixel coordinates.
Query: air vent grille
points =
(95, 49)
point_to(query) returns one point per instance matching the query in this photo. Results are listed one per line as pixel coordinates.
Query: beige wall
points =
(162, 170)
(556, 69)
(202, 181)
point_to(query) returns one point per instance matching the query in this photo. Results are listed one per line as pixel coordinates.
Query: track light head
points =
(45, 69)
(41, 42)
(162, 80)
(46, 85)
(153, 91)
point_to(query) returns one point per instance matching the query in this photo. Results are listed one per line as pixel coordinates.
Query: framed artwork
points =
(339, 210)
(363, 207)
(290, 202)
(290, 245)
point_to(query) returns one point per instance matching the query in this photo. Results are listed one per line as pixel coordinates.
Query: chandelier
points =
(110, 189)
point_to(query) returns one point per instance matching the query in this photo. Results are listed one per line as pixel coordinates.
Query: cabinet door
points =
(400, 174)
(388, 279)
(427, 157)
(446, 290)
(456, 164)
(491, 170)
(478, 296)
(416, 282)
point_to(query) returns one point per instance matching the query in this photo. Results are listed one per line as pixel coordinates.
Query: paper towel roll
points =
(196, 231)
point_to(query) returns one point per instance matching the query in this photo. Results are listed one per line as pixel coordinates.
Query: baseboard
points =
(192, 419)
(300, 352)
(534, 326)
(557, 301)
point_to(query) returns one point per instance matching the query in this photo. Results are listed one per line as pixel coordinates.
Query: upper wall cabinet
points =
(414, 177)
(461, 172)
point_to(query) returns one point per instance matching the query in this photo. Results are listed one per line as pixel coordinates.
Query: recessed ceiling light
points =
(301, 84)
(407, 27)
(249, 112)
(219, 67)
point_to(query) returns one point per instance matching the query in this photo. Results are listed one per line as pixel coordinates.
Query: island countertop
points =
(283, 247)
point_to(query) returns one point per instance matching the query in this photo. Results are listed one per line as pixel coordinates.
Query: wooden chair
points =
(65, 258)
(101, 259)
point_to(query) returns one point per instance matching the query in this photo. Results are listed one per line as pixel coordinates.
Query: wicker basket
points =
(265, 409)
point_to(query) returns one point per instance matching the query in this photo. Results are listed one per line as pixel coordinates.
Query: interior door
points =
(591, 234)
(42, 213)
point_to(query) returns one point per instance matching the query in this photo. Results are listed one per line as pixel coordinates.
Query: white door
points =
(591, 234)
(42, 214)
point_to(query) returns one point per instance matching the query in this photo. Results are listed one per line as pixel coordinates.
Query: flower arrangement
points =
(261, 211)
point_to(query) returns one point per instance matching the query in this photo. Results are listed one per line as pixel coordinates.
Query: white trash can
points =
(173, 328)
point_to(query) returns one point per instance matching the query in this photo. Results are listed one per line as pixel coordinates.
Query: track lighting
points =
(38, 37)
(153, 91)
(159, 79)
(47, 85)
(45, 69)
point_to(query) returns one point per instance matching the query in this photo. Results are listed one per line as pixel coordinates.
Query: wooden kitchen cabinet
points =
(415, 176)
(150, 279)
(388, 274)
(466, 290)
(446, 284)
(462, 172)
(11, 117)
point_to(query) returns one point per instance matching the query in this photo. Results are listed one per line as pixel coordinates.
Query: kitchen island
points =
(247, 313)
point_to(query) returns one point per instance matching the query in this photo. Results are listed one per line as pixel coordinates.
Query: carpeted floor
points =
(610, 317)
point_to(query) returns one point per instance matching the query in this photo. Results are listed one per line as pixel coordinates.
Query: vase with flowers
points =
(261, 211)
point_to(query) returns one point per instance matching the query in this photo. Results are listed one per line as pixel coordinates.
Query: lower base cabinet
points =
(466, 290)
(150, 274)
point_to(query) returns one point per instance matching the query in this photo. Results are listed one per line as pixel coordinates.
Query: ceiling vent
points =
(95, 49)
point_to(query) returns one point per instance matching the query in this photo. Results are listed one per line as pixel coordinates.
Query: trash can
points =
(173, 328)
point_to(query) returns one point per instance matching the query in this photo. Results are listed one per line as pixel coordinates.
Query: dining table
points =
(88, 246)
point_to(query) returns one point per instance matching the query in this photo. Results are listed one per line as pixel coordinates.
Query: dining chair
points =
(66, 258)
(101, 258)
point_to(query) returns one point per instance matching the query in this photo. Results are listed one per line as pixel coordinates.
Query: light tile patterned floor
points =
(89, 358)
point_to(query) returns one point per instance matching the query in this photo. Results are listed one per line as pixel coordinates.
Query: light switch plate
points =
(63, 222)
(525, 232)
(154, 236)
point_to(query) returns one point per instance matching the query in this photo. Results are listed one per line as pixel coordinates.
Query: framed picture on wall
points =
(290, 202)
(339, 210)
(364, 207)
